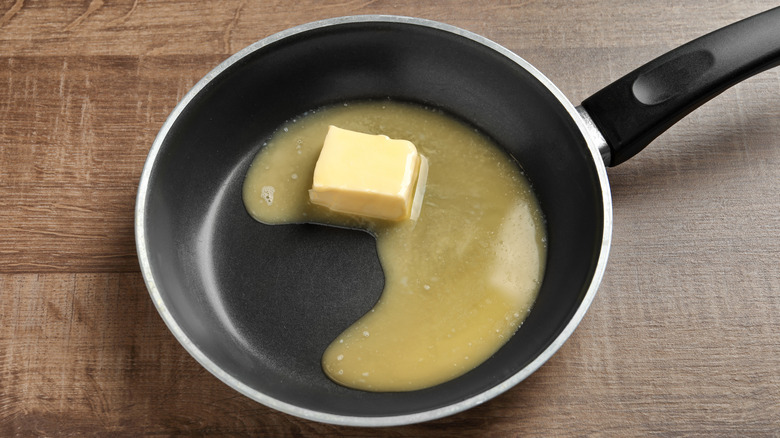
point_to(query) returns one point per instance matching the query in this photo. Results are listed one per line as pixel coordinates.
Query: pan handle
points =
(634, 110)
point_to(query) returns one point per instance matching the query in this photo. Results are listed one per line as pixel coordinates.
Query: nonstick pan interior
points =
(257, 305)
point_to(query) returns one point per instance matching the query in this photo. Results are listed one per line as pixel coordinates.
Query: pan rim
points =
(369, 421)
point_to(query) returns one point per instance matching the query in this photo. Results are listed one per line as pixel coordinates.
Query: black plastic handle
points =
(634, 110)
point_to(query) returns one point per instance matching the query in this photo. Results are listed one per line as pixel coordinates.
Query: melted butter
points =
(458, 281)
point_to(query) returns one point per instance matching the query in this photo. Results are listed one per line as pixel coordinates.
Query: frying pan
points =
(256, 305)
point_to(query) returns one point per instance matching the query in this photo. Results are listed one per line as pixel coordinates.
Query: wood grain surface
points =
(682, 339)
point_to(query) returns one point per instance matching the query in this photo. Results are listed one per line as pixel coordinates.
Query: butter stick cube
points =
(366, 175)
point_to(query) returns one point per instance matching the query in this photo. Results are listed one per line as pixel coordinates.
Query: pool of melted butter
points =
(459, 280)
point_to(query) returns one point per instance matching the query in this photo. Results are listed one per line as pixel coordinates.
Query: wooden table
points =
(684, 334)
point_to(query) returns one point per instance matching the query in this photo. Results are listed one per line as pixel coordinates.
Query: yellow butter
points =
(367, 175)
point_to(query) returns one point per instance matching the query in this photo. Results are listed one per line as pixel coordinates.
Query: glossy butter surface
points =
(366, 175)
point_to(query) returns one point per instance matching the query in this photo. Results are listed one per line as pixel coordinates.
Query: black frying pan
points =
(257, 305)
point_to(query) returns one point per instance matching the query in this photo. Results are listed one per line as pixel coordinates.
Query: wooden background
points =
(682, 339)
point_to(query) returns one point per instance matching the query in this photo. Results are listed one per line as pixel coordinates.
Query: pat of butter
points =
(368, 175)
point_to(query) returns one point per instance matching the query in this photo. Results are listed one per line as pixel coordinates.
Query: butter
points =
(368, 175)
